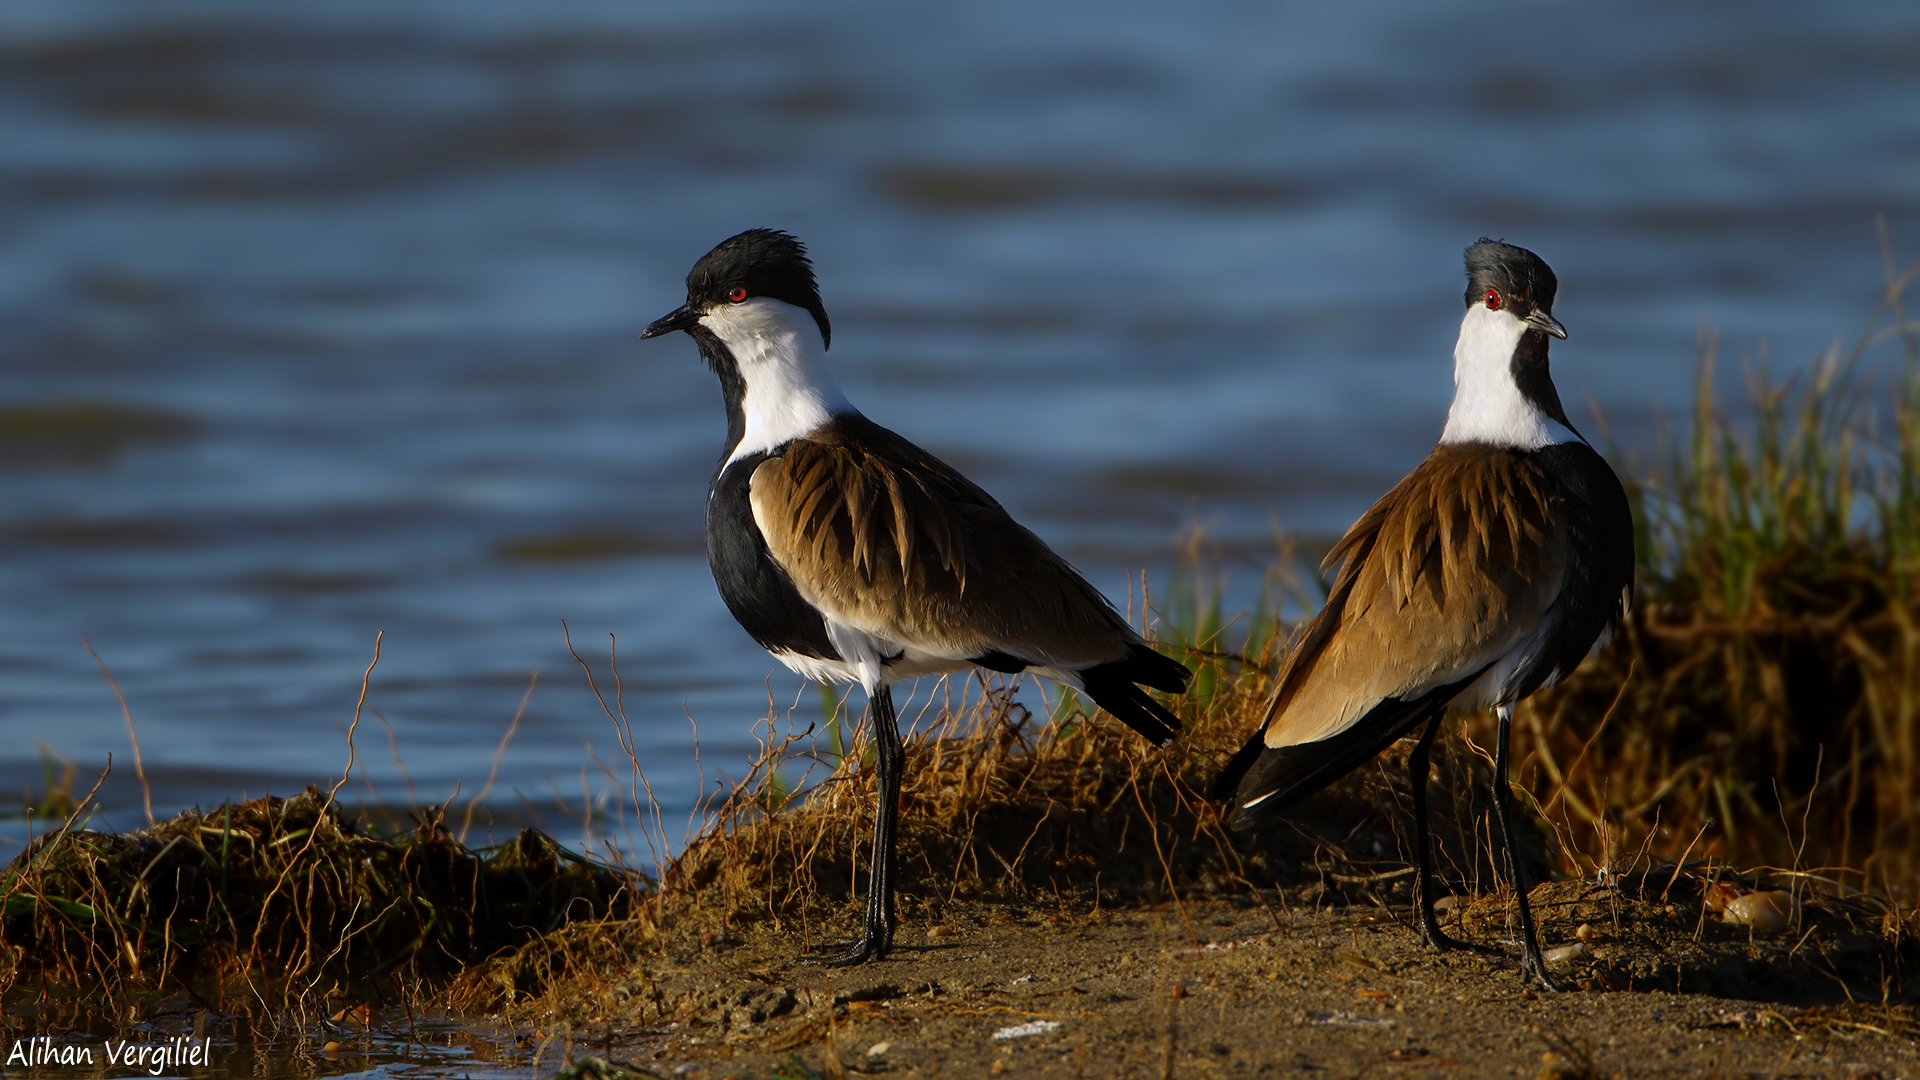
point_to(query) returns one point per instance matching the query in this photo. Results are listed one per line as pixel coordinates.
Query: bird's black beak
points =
(1539, 320)
(683, 318)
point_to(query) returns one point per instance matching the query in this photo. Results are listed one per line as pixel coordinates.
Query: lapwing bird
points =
(1488, 573)
(853, 555)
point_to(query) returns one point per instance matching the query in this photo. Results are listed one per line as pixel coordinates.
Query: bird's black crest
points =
(765, 262)
(1522, 278)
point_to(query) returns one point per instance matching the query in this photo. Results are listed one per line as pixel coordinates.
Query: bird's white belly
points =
(1496, 685)
(914, 663)
(819, 669)
(875, 662)
(1487, 690)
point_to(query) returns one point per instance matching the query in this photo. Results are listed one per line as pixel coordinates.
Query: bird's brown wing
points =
(883, 537)
(1445, 575)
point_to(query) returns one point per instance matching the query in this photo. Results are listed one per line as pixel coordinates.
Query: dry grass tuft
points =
(998, 806)
(282, 900)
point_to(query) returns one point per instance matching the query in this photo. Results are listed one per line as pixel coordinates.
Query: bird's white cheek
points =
(781, 358)
(1487, 406)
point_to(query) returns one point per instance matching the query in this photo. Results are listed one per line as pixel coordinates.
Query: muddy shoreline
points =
(1232, 988)
(1069, 907)
(1667, 969)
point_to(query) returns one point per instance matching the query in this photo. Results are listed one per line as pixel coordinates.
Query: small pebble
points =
(1583, 933)
(1027, 1030)
(1569, 954)
(1771, 910)
(1555, 1067)
(941, 931)
(999, 1066)
(1720, 895)
(879, 1049)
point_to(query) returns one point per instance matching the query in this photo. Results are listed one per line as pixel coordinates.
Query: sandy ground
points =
(1241, 988)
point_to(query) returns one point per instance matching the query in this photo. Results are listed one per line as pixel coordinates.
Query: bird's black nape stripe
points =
(1534, 379)
(733, 387)
(759, 593)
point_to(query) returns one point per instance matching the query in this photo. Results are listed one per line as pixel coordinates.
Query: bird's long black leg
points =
(1531, 961)
(876, 937)
(892, 759)
(1417, 767)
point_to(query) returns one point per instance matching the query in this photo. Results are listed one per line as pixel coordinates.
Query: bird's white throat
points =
(1488, 406)
(782, 361)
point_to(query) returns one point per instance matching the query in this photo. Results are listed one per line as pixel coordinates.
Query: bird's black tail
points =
(1262, 779)
(1228, 781)
(1112, 687)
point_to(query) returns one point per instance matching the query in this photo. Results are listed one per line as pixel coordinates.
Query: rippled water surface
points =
(319, 321)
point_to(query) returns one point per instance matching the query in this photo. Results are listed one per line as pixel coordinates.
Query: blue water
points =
(364, 280)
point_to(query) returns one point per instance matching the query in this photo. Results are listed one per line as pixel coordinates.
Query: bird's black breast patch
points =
(759, 593)
(1593, 507)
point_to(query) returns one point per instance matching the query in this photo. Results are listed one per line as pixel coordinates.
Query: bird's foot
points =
(1440, 942)
(1535, 969)
(871, 945)
(1437, 939)
(859, 952)
(1533, 963)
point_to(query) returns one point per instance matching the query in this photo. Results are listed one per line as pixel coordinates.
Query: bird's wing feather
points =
(1446, 574)
(885, 538)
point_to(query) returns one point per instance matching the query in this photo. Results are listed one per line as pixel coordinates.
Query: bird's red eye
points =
(1493, 300)
(737, 293)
